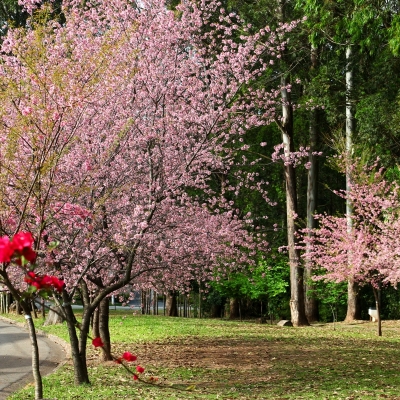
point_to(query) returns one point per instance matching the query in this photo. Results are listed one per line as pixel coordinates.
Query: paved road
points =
(15, 357)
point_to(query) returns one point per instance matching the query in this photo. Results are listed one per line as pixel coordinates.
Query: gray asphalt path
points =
(15, 357)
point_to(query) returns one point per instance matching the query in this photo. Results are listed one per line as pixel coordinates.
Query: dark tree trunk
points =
(104, 313)
(33, 305)
(84, 333)
(353, 310)
(148, 302)
(43, 304)
(164, 304)
(297, 306)
(143, 301)
(234, 311)
(311, 304)
(215, 311)
(172, 304)
(155, 303)
(285, 124)
(78, 358)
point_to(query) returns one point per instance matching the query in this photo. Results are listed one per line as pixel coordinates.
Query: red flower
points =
(22, 240)
(97, 342)
(46, 280)
(30, 277)
(140, 369)
(36, 284)
(58, 284)
(29, 254)
(129, 356)
(6, 249)
(22, 244)
(118, 360)
(135, 377)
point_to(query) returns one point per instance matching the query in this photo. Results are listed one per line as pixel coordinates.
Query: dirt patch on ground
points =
(204, 353)
(242, 354)
(237, 354)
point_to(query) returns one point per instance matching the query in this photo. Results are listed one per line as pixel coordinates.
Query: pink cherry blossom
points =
(132, 110)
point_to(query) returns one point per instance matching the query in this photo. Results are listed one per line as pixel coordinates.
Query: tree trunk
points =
(297, 306)
(33, 305)
(83, 336)
(353, 311)
(164, 304)
(234, 308)
(95, 323)
(378, 308)
(54, 316)
(311, 304)
(104, 313)
(215, 311)
(78, 359)
(43, 305)
(143, 301)
(35, 354)
(171, 304)
(148, 302)
(155, 303)
(285, 124)
(353, 307)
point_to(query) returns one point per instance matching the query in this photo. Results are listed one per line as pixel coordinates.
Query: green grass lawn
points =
(215, 359)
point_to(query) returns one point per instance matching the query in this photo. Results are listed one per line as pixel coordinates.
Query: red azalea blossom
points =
(6, 249)
(58, 284)
(21, 245)
(29, 254)
(135, 377)
(129, 356)
(44, 282)
(36, 285)
(139, 369)
(30, 276)
(97, 342)
(32, 279)
(22, 240)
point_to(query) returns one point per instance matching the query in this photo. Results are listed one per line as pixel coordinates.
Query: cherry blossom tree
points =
(113, 123)
(369, 252)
